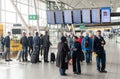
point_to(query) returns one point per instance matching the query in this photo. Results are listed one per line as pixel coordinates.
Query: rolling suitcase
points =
(34, 57)
(52, 57)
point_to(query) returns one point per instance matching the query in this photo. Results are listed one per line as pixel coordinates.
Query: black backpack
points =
(86, 43)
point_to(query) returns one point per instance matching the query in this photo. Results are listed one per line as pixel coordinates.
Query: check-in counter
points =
(15, 46)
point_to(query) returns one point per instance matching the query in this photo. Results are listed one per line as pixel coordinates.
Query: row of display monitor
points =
(86, 16)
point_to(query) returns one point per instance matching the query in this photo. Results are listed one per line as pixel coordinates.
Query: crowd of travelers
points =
(71, 49)
(74, 49)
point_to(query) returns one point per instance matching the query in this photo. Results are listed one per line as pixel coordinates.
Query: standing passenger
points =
(76, 56)
(24, 42)
(62, 56)
(36, 45)
(7, 47)
(46, 45)
(87, 47)
(30, 44)
(99, 43)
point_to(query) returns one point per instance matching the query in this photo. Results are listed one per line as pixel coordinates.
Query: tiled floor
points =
(16, 70)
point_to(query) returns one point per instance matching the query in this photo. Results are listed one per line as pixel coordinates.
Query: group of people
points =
(29, 44)
(74, 48)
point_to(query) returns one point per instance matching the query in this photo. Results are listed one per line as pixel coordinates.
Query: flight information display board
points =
(67, 16)
(59, 17)
(76, 16)
(105, 14)
(95, 15)
(86, 16)
(50, 17)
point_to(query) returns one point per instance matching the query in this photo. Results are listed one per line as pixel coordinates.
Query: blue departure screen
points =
(76, 17)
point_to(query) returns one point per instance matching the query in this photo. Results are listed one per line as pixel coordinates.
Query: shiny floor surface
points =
(20, 70)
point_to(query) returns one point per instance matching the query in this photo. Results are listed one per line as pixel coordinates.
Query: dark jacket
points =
(62, 55)
(7, 41)
(77, 50)
(98, 47)
(36, 41)
(2, 41)
(30, 41)
(24, 41)
(46, 41)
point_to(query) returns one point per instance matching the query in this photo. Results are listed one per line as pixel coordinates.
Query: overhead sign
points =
(86, 16)
(76, 17)
(33, 17)
(59, 17)
(95, 15)
(105, 14)
(50, 17)
(82, 26)
(67, 16)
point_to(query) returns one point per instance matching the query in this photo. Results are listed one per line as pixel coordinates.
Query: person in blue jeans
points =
(99, 43)
(24, 42)
(87, 47)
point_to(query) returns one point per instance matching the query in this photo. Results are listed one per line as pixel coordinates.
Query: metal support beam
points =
(36, 14)
(19, 14)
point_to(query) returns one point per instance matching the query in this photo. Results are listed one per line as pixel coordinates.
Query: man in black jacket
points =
(7, 47)
(76, 55)
(30, 43)
(99, 43)
(24, 42)
(46, 45)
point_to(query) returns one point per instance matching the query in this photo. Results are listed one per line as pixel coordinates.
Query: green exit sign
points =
(82, 26)
(33, 17)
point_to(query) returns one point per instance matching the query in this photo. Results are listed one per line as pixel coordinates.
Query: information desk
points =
(15, 45)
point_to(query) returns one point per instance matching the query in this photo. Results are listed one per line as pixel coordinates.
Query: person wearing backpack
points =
(24, 42)
(87, 47)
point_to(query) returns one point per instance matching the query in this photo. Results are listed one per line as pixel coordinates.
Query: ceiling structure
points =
(77, 4)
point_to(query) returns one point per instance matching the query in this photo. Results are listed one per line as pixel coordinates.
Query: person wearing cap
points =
(62, 56)
(98, 48)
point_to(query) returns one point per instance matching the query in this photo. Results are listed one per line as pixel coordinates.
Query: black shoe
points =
(39, 61)
(7, 60)
(10, 60)
(64, 74)
(46, 61)
(103, 71)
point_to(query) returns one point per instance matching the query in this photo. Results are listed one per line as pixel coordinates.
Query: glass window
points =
(10, 17)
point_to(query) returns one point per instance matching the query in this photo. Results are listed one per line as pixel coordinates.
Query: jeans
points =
(76, 64)
(46, 51)
(101, 61)
(7, 53)
(88, 56)
(30, 50)
(24, 53)
(62, 71)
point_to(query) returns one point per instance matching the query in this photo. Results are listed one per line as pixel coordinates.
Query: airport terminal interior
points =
(57, 19)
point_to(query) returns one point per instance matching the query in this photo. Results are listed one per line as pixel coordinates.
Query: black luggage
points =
(82, 56)
(34, 57)
(52, 57)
